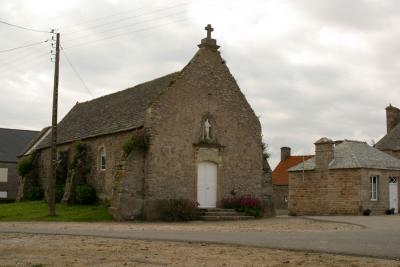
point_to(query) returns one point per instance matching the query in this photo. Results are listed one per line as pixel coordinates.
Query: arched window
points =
(102, 159)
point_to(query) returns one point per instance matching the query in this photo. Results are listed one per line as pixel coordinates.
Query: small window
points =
(374, 187)
(102, 158)
(3, 175)
(393, 180)
(3, 194)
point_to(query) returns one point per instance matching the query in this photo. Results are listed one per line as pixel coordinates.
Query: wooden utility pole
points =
(51, 183)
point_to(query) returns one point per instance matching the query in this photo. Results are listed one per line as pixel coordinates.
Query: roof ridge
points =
(13, 129)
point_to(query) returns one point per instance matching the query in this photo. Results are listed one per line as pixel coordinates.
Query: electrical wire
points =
(75, 71)
(24, 46)
(26, 63)
(74, 45)
(127, 18)
(177, 15)
(22, 27)
(100, 18)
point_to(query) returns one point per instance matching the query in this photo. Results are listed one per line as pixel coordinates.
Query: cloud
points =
(309, 68)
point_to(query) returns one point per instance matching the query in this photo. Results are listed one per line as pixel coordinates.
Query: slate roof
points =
(354, 154)
(36, 141)
(280, 175)
(391, 141)
(13, 142)
(117, 112)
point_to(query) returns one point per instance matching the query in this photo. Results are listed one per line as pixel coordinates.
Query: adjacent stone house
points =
(390, 143)
(203, 140)
(12, 144)
(344, 178)
(280, 177)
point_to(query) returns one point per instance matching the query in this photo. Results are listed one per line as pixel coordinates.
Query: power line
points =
(22, 27)
(172, 15)
(117, 35)
(103, 17)
(25, 63)
(24, 46)
(75, 71)
(127, 18)
(143, 29)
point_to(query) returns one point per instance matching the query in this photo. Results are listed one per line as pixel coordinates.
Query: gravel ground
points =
(58, 250)
(283, 224)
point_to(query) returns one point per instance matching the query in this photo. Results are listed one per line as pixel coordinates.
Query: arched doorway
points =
(207, 184)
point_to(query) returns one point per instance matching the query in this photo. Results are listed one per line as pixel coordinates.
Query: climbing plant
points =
(28, 170)
(139, 140)
(265, 151)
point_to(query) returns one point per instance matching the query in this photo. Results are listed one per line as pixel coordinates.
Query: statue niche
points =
(207, 135)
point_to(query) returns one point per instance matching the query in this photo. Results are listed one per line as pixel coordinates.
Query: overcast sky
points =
(309, 68)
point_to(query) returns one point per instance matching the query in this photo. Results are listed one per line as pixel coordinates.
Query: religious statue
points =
(207, 129)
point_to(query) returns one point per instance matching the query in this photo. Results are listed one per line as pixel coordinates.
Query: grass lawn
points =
(37, 211)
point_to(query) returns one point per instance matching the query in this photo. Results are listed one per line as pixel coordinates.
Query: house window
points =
(392, 180)
(102, 158)
(3, 194)
(3, 175)
(374, 187)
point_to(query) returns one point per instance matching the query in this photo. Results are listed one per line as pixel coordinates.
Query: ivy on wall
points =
(138, 141)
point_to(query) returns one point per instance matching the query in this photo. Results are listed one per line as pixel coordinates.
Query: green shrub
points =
(180, 210)
(25, 166)
(85, 194)
(34, 193)
(139, 140)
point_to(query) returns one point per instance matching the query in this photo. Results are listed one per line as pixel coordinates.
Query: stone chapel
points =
(204, 140)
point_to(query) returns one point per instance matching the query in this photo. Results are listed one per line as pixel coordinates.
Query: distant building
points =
(280, 176)
(390, 143)
(344, 178)
(12, 144)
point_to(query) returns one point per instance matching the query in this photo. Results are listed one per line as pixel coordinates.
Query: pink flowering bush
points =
(247, 204)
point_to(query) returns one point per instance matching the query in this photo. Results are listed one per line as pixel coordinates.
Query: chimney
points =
(392, 117)
(285, 153)
(324, 153)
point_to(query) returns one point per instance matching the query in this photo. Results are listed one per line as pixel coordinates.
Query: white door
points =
(207, 184)
(393, 195)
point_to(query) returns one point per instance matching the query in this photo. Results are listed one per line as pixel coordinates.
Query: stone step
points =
(218, 214)
(215, 209)
(222, 213)
(226, 218)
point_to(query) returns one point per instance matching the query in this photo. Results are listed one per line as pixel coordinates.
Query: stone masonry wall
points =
(332, 192)
(127, 194)
(382, 204)
(174, 121)
(11, 186)
(102, 180)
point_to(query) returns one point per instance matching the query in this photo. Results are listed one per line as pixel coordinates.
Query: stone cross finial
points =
(209, 29)
(208, 42)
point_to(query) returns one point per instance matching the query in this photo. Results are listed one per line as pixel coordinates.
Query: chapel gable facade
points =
(203, 140)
